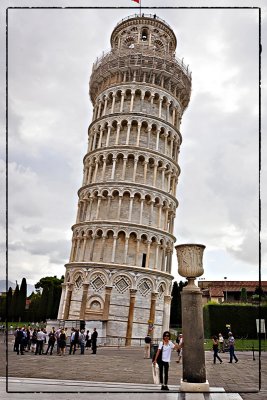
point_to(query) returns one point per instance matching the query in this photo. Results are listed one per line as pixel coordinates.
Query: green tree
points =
(14, 314)
(243, 295)
(22, 299)
(176, 309)
(50, 287)
(8, 303)
(33, 314)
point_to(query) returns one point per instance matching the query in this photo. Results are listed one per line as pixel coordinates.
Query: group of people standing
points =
(29, 339)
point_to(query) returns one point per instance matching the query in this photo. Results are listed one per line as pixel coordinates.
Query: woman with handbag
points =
(163, 358)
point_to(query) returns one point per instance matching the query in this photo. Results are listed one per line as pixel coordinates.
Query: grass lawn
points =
(242, 344)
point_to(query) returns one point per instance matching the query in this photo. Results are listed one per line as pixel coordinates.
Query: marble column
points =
(68, 301)
(130, 318)
(108, 290)
(84, 300)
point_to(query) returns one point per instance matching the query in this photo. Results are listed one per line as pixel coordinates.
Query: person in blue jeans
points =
(231, 343)
(215, 346)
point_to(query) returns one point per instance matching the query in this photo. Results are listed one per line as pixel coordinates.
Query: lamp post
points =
(194, 371)
(225, 278)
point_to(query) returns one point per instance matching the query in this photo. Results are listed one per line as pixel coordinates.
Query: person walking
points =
(231, 343)
(215, 346)
(82, 341)
(62, 342)
(94, 340)
(147, 346)
(51, 341)
(88, 340)
(164, 349)
(179, 341)
(221, 342)
(41, 338)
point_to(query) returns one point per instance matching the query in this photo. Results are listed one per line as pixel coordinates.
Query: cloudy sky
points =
(50, 57)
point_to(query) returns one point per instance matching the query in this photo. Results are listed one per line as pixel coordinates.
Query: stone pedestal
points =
(194, 370)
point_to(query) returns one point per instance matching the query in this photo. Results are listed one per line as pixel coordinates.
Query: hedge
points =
(241, 317)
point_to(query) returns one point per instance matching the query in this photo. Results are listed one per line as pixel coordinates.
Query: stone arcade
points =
(119, 274)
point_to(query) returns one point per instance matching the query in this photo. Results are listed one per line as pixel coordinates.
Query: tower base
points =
(194, 387)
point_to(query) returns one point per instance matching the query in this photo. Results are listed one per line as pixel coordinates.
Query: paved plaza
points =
(122, 370)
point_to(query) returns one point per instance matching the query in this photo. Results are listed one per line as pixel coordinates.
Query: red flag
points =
(136, 1)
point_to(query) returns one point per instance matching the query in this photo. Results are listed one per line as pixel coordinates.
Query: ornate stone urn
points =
(190, 263)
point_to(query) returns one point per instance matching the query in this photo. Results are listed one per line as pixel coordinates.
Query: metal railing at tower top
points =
(139, 50)
(151, 16)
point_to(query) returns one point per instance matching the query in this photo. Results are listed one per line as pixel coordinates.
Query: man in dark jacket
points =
(94, 339)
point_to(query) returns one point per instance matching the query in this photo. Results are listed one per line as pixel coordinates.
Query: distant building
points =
(228, 291)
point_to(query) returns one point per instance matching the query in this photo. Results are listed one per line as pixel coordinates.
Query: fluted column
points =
(104, 169)
(132, 101)
(68, 301)
(113, 103)
(113, 168)
(126, 249)
(119, 208)
(135, 168)
(108, 290)
(60, 314)
(141, 211)
(122, 100)
(108, 135)
(166, 313)
(148, 254)
(145, 170)
(123, 168)
(128, 132)
(84, 246)
(84, 300)
(130, 208)
(105, 105)
(92, 247)
(137, 251)
(152, 312)
(114, 248)
(130, 317)
(102, 247)
(118, 134)
(138, 134)
(98, 206)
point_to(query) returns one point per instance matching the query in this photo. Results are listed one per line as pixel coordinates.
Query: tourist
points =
(58, 332)
(221, 342)
(94, 340)
(231, 343)
(82, 341)
(19, 341)
(147, 346)
(51, 341)
(34, 340)
(88, 340)
(215, 346)
(41, 338)
(62, 342)
(179, 341)
(163, 358)
(74, 340)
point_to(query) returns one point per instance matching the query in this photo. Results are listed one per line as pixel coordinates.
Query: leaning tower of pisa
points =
(118, 278)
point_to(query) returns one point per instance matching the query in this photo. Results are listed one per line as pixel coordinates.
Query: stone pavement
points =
(122, 369)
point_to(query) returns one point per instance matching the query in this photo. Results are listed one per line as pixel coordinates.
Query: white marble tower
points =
(119, 274)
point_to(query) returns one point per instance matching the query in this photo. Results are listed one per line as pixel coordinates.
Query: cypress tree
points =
(14, 314)
(8, 303)
(22, 299)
